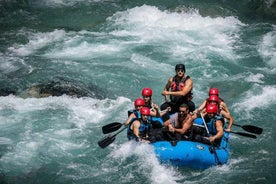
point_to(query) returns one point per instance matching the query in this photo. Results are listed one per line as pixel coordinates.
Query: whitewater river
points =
(69, 67)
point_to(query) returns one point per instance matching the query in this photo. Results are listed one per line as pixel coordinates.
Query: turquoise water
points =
(69, 67)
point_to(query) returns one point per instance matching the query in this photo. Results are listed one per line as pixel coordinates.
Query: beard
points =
(181, 117)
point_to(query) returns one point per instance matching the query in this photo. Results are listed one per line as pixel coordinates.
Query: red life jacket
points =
(178, 86)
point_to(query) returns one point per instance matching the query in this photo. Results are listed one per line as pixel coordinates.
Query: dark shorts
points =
(175, 107)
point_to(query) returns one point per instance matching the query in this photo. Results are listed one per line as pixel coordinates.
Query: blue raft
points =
(193, 154)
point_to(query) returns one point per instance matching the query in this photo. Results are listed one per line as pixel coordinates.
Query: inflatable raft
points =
(192, 149)
(193, 152)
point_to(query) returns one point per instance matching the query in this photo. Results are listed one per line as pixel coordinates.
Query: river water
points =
(68, 67)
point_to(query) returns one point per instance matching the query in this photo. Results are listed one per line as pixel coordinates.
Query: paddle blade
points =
(252, 129)
(245, 134)
(107, 140)
(112, 127)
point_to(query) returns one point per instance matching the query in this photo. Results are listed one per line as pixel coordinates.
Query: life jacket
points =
(178, 86)
(143, 129)
(136, 113)
(211, 123)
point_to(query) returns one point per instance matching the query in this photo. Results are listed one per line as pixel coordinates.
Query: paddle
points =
(244, 134)
(238, 133)
(213, 149)
(107, 140)
(250, 128)
(112, 127)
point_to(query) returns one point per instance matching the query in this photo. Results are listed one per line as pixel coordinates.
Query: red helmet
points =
(212, 108)
(145, 111)
(213, 98)
(146, 92)
(214, 91)
(139, 102)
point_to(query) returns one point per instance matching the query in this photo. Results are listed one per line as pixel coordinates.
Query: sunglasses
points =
(180, 70)
(211, 114)
(182, 112)
(146, 96)
(213, 101)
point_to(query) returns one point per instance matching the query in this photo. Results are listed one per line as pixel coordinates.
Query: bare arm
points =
(224, 107)
(165, 111)
(154, 112)
(166, 123)
(132, 115)
(201, 107)
(187, 123)
(135, 128)
(187, 88)
(219, 133)
(166, 88)
(229, 117)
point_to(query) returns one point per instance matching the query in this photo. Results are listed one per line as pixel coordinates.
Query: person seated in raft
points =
(222, 107)
(139, 128)
(147, 94)
(135, 113)
(179, 123)
(214, 99)
(154, 109)
(215, 123)
(222, 104)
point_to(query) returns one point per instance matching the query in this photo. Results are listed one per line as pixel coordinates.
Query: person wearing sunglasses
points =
(180, 123)
(179, 89)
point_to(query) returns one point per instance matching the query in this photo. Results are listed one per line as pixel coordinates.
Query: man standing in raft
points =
(179, 88)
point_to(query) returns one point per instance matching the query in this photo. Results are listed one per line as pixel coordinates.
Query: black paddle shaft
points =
(244, 134)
